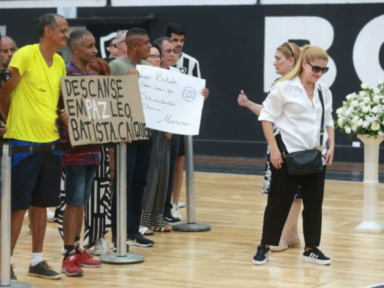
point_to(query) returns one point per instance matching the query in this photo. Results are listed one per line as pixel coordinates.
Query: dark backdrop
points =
(229, 43)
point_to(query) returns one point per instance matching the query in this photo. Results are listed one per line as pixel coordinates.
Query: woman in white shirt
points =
(294, 107)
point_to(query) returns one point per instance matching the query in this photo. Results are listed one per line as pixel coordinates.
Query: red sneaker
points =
(86, 260)
(71, 266)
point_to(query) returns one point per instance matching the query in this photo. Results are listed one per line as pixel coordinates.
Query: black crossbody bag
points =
(307, 161)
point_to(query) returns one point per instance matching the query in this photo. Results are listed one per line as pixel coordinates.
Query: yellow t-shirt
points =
(32, 113)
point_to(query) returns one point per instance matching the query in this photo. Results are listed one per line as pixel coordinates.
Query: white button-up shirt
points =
(296, 117)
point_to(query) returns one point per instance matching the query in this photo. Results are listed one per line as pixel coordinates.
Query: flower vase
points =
(370, 221)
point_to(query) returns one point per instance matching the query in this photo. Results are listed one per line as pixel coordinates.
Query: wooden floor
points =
(234, 206)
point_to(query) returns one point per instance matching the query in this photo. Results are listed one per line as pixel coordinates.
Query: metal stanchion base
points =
(191, 227)
(130, 258)
(15, 284)
(370, 227)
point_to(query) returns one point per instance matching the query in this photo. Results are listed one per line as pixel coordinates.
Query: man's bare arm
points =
(6, 90)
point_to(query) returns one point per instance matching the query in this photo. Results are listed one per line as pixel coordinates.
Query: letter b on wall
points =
(316, 30)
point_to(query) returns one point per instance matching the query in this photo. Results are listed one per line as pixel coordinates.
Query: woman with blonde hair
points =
(286, 56)
(301, 109)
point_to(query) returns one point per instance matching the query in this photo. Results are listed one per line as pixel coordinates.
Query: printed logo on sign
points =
(189, 94)
(183, 70)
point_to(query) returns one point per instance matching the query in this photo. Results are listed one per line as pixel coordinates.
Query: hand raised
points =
(242, 99)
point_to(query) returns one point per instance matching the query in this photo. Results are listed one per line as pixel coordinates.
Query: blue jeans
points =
(138, 158)
(78, 183)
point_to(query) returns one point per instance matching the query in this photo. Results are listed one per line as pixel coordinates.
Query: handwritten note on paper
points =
(172, 101)
(103, 109)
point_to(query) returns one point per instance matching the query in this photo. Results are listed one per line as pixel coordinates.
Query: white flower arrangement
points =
(363, 112)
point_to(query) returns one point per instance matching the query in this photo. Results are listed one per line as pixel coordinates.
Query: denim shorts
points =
(78, 183)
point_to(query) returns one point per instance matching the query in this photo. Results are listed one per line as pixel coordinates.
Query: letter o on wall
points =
(366, 52)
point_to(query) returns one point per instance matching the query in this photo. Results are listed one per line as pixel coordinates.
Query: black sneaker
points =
(13, 276)
(114, 245)
(261, 256)
(316, 256)
(170, 220)
(43, 270)
(139, 240)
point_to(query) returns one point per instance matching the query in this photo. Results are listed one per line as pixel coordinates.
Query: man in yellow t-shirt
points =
(28, 103)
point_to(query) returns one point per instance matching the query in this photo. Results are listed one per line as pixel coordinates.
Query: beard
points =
(178, 49)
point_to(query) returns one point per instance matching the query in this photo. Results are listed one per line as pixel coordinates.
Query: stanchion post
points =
(121, 201)
(5, 221)
(5, 200)
(121, 257)
(191, 225)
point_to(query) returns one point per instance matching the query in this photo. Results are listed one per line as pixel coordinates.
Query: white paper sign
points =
(172, 101)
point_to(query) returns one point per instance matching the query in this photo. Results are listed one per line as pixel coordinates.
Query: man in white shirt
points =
(190, 66)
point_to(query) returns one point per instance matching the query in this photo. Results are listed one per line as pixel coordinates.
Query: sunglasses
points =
(289, 47)
(317, 69)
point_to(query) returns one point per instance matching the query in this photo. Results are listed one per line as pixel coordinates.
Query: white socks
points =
(36, 258)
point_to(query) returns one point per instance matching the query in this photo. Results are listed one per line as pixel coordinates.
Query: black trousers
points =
(175, 145)
(283, 190)
(138, 160)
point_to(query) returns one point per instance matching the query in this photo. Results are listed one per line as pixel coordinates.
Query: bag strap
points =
(322, 119)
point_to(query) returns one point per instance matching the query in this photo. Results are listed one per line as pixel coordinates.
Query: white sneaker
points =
(181, 204)
(100, 247)
(175, 212)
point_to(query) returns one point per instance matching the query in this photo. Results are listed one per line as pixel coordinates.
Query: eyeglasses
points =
(168, 51)
(317, 69)
(154, 56)
(289, 48)
(113, 45)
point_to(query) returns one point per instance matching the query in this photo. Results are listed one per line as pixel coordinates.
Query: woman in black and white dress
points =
(295, 105)
(286, 56)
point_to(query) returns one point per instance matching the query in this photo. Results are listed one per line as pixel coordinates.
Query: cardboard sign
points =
(172, 101)
(103, 109)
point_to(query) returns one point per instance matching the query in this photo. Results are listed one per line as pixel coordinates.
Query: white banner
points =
(50, 3)
(172, 101)
(181, 2)
(289, 2)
